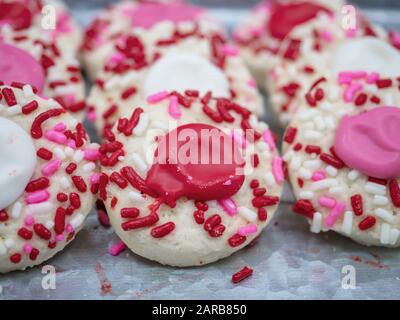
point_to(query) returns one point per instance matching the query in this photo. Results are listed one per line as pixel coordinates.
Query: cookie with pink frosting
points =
(145, 64)
(259, 37)
(48, 177)
(27, 56)
(188, 181)
(343, 157)
(153, 19)
(22, 15)
(325, 47)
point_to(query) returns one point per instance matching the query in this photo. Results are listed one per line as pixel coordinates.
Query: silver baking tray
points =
(288, 261)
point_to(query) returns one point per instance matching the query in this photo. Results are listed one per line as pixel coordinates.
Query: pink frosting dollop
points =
(17, 65)
(146, 15)
(369, 142)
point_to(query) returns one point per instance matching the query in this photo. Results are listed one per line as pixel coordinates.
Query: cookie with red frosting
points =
(155, 20)
(324, 47)
(146, 63)
(22, 15)
(189, 179)
(28, 56)
(343, 158)
(259, 37)
(48, 178)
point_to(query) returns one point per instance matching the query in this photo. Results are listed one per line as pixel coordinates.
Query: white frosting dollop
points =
(17, 161)
(367, 54)
(182, 71)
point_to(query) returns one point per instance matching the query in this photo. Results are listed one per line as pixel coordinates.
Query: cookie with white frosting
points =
(189, 182)
(159, 20)
(48, 178)
(259, 37)
(325, 47)
(343, 157)
(145, 64)
(28, 56)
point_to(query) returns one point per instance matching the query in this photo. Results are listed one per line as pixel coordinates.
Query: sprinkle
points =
(316, 225)
(51, 167)
(394, 236)
(385, 233)
(117, 248)
(323, 184)
(247, 214)
(269, 140)
(173, 108)
(29, 220)
(16, 210)
(242, 274)
(375, 188)
(91, 154)
(247, 230)
(77, 220)
(27, 248)
(39, 208)
(347, 224)
(142, 125)
(351, 91)
(230, 50)
(334, 215)
(277, 170)
(163, 230)
(385, 215)
(327, 202)
(138, 162)
(157, 97)
(229, 206)
(37, 197)
(318, 176)
(380, 200)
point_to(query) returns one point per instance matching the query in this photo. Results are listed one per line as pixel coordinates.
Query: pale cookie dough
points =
(259, 37)
(191, 64)
(154, 210)
(55, 72)
(324, 47)
(48, 178)
(343, 158)
(153, 19)
(49, 16)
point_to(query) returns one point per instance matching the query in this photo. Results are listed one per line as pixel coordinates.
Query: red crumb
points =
(242, 274)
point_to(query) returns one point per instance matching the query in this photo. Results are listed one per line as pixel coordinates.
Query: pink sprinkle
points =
(92, 116)
(173, 108)
(59, 237)
(247, 230)
(327, 36)
(95, 178)
(318, 175)
(60, 127)
(51, 167)
(334, 215)
(327, 202)
(69, 228)
(116, 58)
(396, 38)
(56, 137)
(27, 248)
(91, 154)
(37, 197)
(269, 139)
(229, 206)
(373, 77)
(29, 220)
(351, 91)
(71, 143)
(238, 138)
(277, 170)
(157, 97)
(252, 83)
(230, 50)
(351, 33)
(117, 248)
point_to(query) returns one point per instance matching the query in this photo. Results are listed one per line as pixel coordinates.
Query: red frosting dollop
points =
(369, 142)
(16, 14)
(183, 165)
(285, 17)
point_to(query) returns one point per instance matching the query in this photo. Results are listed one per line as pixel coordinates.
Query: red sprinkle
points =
(395, 193)
(79, 183)
(217, 231)
(304, 208)
(16, 258)
(36, 129)
(163, 230)
(45, 154)
(290, 135)
(24, 233)
(75, 200)
(59, 220)
(130, 213)
(367, 223)
(34, 253)
(265, 201)
(30, 107)
(38, 184)
(242, 274)
(236, 240)
(198, 216)
(332, 160)
(212, 222)
(41, 231)
(143, 222)
(357, 204)
(3, 216)
(9, 97)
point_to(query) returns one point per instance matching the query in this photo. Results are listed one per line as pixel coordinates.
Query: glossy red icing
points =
(15, 14)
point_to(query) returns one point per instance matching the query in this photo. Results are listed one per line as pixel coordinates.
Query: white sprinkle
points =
(65, 184)
(394, 236)
(337, 191)
(385, 215)
(159, 125)
(142, 125)
(135, 196)
(305, 173)
(9, 243)
(385, 233)
(78, 156)
(353, 175)
(14, 110)
(288, 155)
(39, 208)
(270, 179)
(375, 188)
(323, 184)
(380, 200)
(28, 91)
(247, 214)
(312, 164)
(312, 135)
(308, 195)
(316, 223)
(347, 224)
(77, 220)
(326, 106)
(16, 210)
(332, 171)
(89, 167)
(295, 164)
(307, 114)
(330, 123)
(319, 123)
(69, 152)
(59, 153)
(139, 162)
